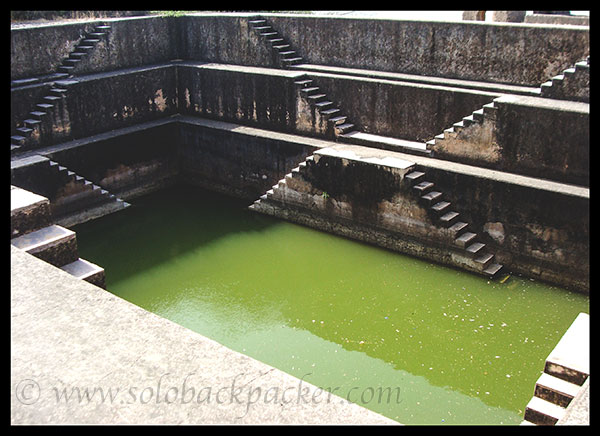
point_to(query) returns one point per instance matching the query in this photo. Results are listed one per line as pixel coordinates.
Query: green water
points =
(443, 346)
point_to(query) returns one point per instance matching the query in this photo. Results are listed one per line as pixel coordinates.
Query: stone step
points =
(542, 412)
(303, 82)
(53, 244)
(329, 112)
(37, 115)
(316, 97)
(414, 177)
(423, 187)
(338, 120)
(325, 104)
(28, 212)
(484, 260)
(475, 248)
(431, 197)
(455, 227)
(18, 139)
(440, 206)
(465, 239)
(570, 359)
(555, 390)
(493, 269)
(71, 61)
(85, 270)
(291, 61)
(24, 131)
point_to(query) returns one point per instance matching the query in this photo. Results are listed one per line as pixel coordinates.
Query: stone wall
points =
(499, 52)
(536, 230)
(496, 52)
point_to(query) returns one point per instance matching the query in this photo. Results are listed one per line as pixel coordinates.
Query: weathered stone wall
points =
(102, 102)
(223, 38)
(525, 135)
(411, 111)
(539, 231)
(250, 96)
(506, 53)
(217, 157)
(496, 52)
(127, 164)
(40, 50)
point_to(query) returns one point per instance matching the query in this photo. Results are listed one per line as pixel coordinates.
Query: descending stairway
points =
(83, 198)
(461, 128)
(315, 96)
(337, 125)
(555, 87)
(458, 231)
(477, 256)
(72, 198)
(32, 232)
(44, 120)
(565, 372)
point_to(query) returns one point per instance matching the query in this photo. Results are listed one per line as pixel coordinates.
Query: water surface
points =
(443, 346)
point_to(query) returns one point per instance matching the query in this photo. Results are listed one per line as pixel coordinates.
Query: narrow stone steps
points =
(475, 248)
(465, 239)
(431, 197)
(85, 270)
(28, 211)
(555, 390)
(82, 49)
(53, 244)
(440, 206)
(423, 187)
(542, 412)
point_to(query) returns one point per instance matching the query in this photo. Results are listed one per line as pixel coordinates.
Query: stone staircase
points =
(79, 194)
(46, 123)
(459, 233)
(32, 232)
(286, 57)
(466, 129)
(73, 199)
(578, 75)
(476, 255)
(566, 370)
(330, 120)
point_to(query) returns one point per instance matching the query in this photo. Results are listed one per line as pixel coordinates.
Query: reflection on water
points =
(443, 346)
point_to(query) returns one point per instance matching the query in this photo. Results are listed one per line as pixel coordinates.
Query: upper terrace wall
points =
(131, 42)
(497, 52)
(501, 52)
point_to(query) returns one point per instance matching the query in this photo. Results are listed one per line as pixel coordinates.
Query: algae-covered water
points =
(414, 341)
